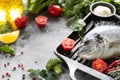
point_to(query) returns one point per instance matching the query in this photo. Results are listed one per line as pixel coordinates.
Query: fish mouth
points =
(86, 52)
(86, 55)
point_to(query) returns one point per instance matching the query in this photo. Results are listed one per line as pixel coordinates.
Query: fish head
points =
(91, 47)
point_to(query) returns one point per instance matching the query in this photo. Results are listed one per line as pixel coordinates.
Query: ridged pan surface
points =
(71, 57)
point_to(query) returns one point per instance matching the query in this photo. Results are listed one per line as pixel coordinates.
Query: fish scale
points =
(108, 30)
(110, 46)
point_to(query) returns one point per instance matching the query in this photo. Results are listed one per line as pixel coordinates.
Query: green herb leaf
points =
(52, 65)
(50, 77)
(32, 71)
(5, 28)
(37, 74)
(79, 8)
(78, 25)
(43, 73)
(115, 73)
(7, 50)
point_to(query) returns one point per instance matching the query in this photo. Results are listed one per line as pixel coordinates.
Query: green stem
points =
(28, 4)
(43, 5)
(36, 4)
(79, 34)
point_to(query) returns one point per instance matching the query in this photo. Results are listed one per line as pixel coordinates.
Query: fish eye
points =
(100, 41)
(86, 42)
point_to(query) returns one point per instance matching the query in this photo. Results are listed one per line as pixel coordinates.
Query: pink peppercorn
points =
(14, 68)
(7, 74)
(20, 65)
(5, 65)
(3, 76)
(22, 68)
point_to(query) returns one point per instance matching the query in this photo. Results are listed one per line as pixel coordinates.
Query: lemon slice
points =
(9, 37)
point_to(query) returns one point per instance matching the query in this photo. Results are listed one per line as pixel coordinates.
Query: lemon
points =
(9, 37)
(13, 26)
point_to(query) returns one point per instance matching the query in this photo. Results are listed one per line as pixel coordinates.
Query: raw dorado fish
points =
(103, 41)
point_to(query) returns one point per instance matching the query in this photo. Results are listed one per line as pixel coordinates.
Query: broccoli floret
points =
(53, 65)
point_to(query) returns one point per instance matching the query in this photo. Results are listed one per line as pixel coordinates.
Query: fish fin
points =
(114, 44)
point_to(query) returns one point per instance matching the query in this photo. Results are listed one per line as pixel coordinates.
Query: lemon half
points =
(9, 37)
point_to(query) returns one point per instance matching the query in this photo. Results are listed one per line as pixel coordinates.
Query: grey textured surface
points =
(37, 44)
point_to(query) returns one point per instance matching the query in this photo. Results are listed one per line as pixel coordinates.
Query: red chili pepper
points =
(20, 21)
(99, 65)
(68, 44)
(112, 65)
(54, 10)
(41, 21)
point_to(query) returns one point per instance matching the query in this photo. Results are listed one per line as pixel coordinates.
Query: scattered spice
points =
(22, 52)
(7, 74)
(14, 68)
(3, 76)
(8, 63)
(35, 61)
(23, 76)
(22, 68)
(5, 65)
(20, 65)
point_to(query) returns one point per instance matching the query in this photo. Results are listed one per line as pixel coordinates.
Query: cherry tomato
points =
(20, 21)
(54, 10)
(68, 44)
(41, 21)
(99, 65)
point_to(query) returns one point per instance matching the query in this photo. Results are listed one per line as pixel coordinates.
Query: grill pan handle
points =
(74, 65)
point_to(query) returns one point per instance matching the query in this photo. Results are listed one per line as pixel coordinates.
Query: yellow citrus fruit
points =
(13, 26)
(9, 37)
